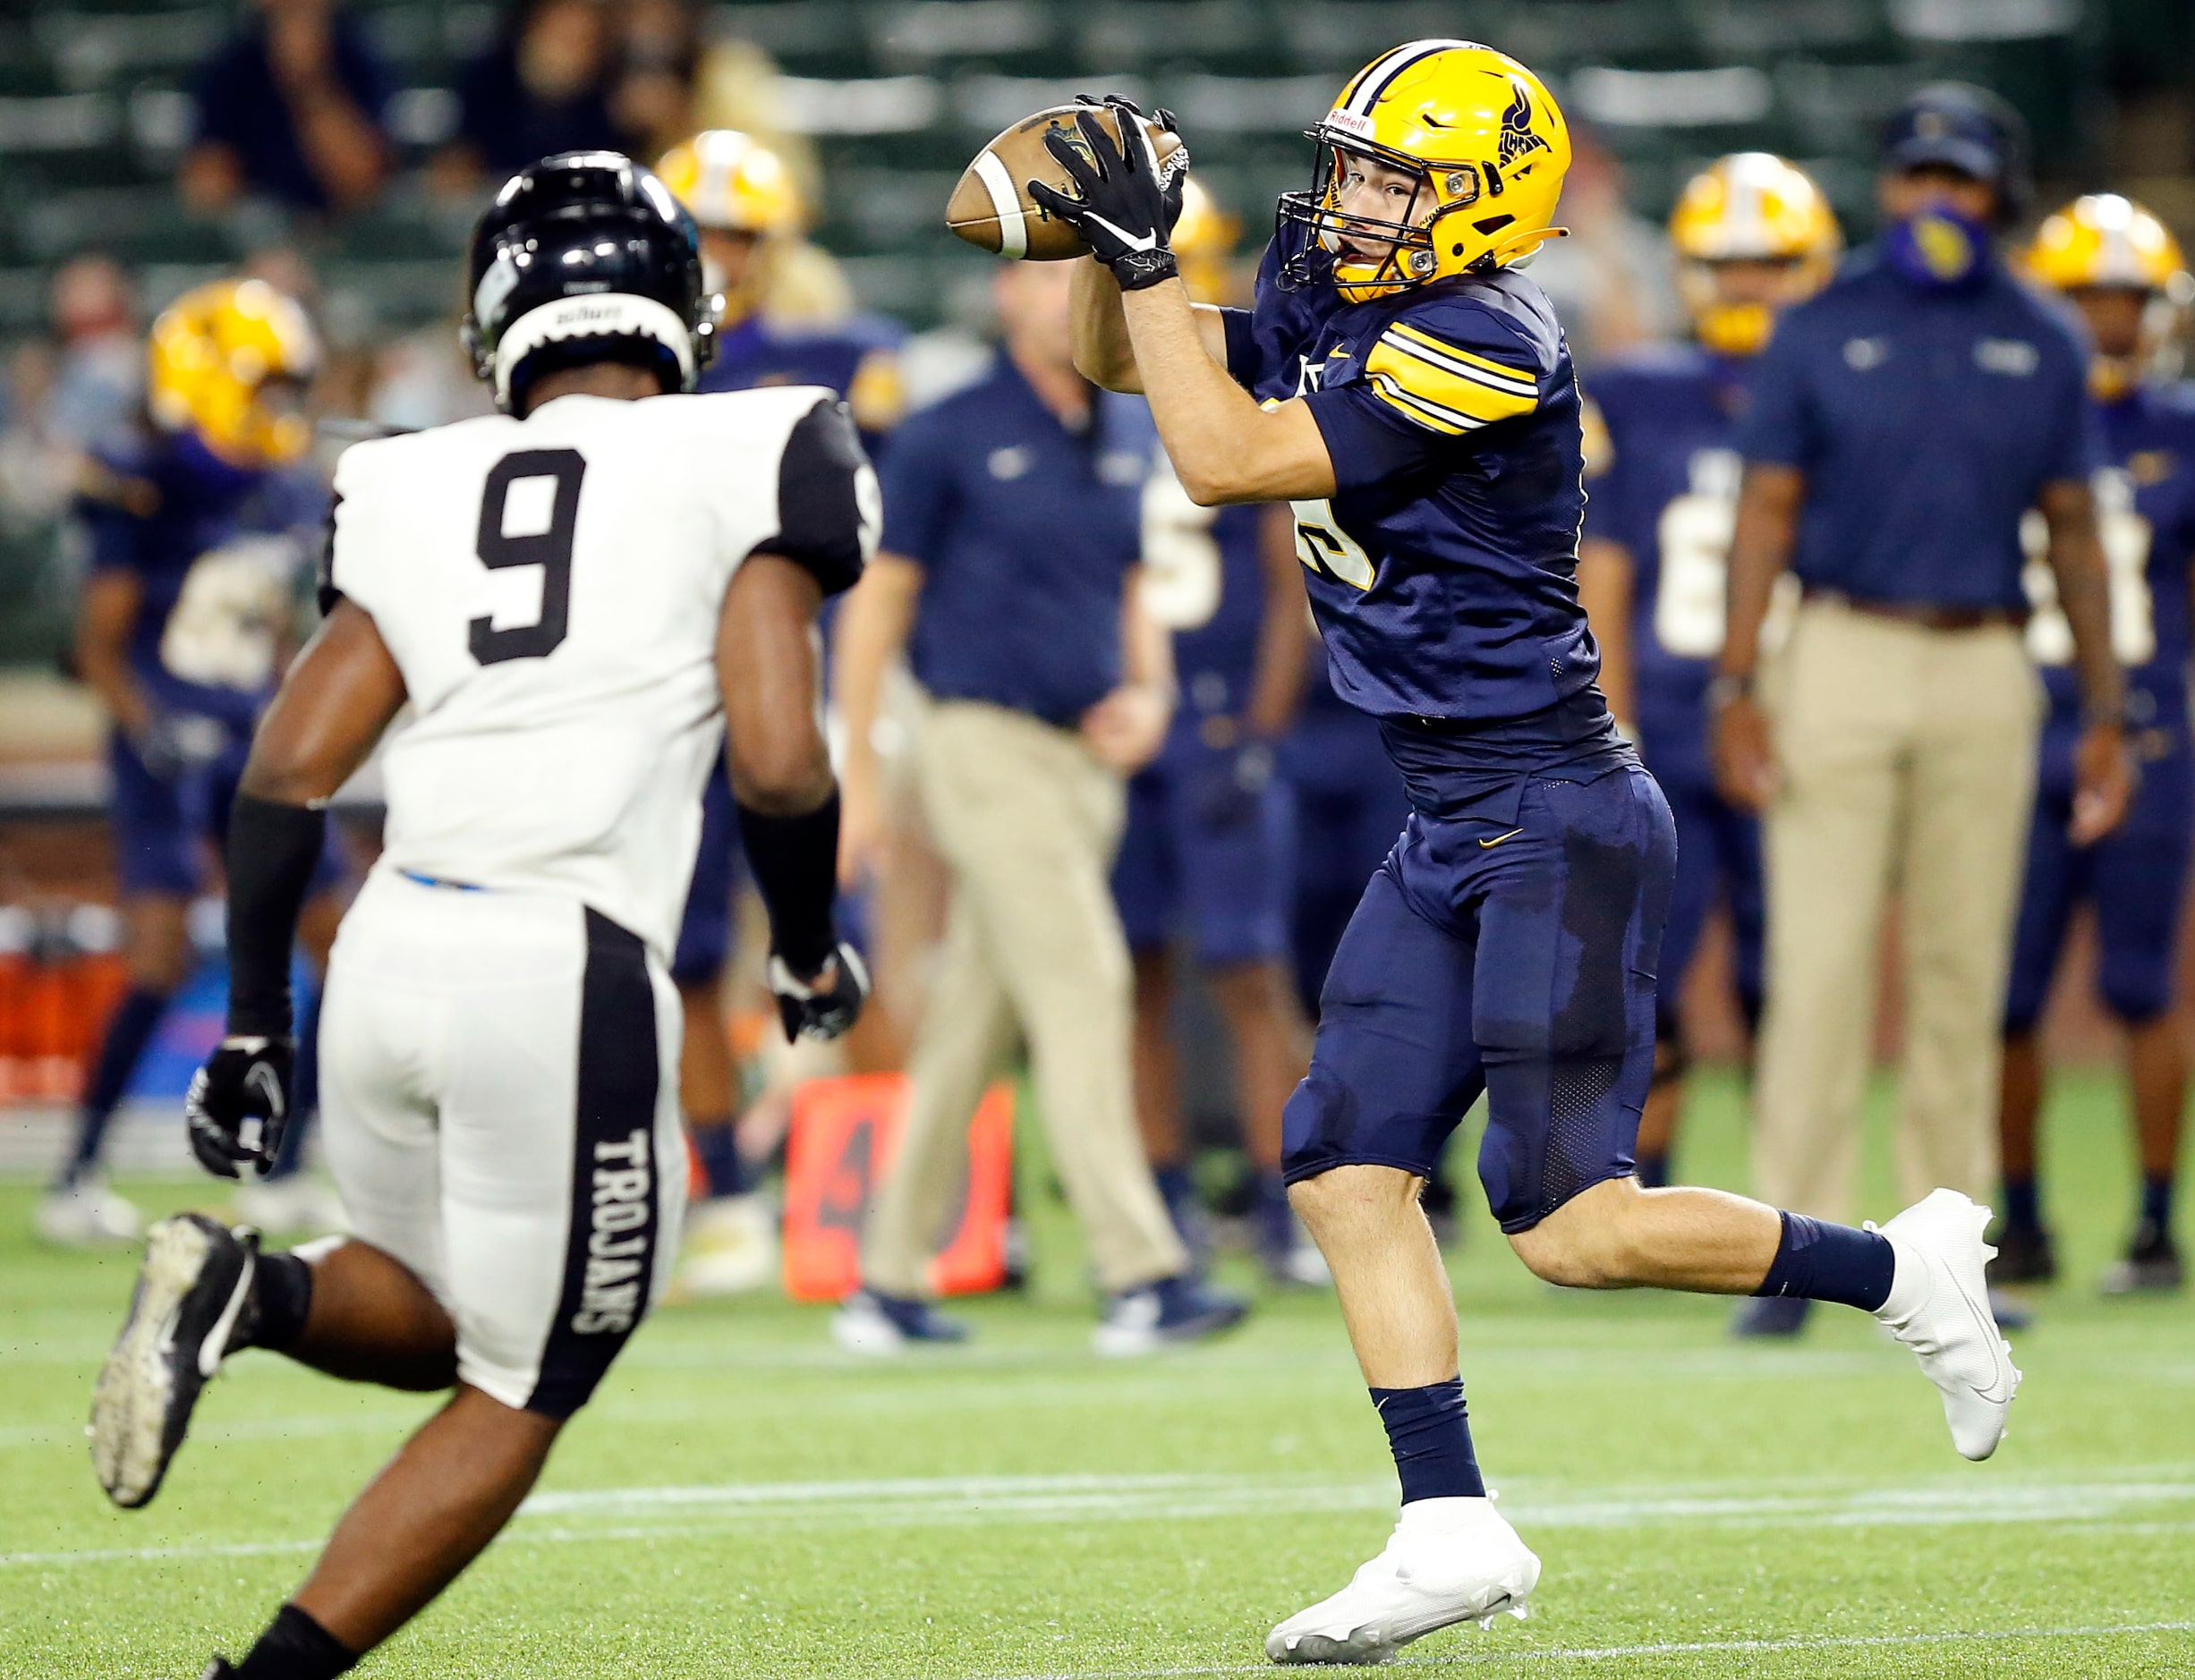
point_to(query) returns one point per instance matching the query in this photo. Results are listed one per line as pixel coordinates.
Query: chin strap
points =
(1514, 250)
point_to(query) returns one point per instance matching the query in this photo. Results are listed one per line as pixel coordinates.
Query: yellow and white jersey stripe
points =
(1445, 388)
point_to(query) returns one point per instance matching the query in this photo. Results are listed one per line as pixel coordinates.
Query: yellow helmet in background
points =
(1486, 142)
(731, 183)
(1204, 241)
(211, 356)
(2105, 241)
(1749, 207)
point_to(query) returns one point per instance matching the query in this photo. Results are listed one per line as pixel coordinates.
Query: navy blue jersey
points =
(858, 358)
(208, 545)
(2144, 504)
(1204, 580)
(1443, 569)
(1025, 532)
(1927, 423)
(1665, 488)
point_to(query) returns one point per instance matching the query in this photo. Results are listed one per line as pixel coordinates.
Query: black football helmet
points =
(586, 257)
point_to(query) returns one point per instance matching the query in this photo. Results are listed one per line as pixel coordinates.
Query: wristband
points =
(1135, 269)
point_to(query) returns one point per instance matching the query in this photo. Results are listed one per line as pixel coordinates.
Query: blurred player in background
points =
(182, 627)
(1209, 846)
(583, 601)
(1007, 574)
(1899, 426)
(1752, 234)
(785, 322)
(1413, 395)
(2124, 270)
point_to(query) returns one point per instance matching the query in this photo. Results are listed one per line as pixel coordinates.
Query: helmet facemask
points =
(1407, 244)
(1740, 325)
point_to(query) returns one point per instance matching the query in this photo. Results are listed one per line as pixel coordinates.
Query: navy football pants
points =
(1517, 959)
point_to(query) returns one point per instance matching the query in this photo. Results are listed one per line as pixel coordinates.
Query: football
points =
(990, 207)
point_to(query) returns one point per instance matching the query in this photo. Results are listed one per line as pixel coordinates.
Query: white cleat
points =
(1447, 1561)
(1939, 1307)
(88, 1214)
(730, 1249)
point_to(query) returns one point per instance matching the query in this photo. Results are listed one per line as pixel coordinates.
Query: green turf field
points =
(742, 1499)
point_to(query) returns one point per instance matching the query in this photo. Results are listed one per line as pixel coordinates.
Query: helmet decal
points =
(1518, 140)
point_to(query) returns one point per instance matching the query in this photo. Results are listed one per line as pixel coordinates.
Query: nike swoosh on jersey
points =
(1497, 840)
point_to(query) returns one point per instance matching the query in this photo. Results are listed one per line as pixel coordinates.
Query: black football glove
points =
(1122, 212)
(238, 1105)
(1174, 178)
(825, 1005)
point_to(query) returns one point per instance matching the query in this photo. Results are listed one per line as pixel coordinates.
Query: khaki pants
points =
(1907, 762)
(1028, 822)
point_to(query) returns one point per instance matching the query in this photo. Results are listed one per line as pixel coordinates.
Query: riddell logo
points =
(618, 1241)
(579, 312)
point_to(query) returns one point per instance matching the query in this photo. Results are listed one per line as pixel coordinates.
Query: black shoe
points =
(2152, 1266)
(191, 1292)
(1770, 1315)
(218, 1669)
(2026, 1254)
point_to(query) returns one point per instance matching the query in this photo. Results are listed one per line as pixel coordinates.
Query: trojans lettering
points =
(618, 1239)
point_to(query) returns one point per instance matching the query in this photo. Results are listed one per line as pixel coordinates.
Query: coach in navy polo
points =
(1012, 532)
(1902, 424)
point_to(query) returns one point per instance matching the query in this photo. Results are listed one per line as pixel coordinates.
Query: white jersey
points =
(550, 588)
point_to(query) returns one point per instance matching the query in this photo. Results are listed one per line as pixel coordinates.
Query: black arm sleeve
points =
(794, 860)
(829, 509)
(272, 849)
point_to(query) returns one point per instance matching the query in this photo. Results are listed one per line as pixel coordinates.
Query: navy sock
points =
(717, 1143)
(129, 1029)
(1653, 1172)
(2023, 1204)
(1431, 1439)
(295, 1647)
(2156, 1201)
(281, 1302)
(1816, 1260)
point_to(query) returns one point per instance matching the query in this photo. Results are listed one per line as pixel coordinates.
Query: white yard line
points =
(1613, 1653)
(581, 1515)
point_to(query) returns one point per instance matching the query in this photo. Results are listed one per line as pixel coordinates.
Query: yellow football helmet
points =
(1202, 241)
(2105, 241)
(733, 183)
(1481, 137)
(1749, 207)
(212, 355)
